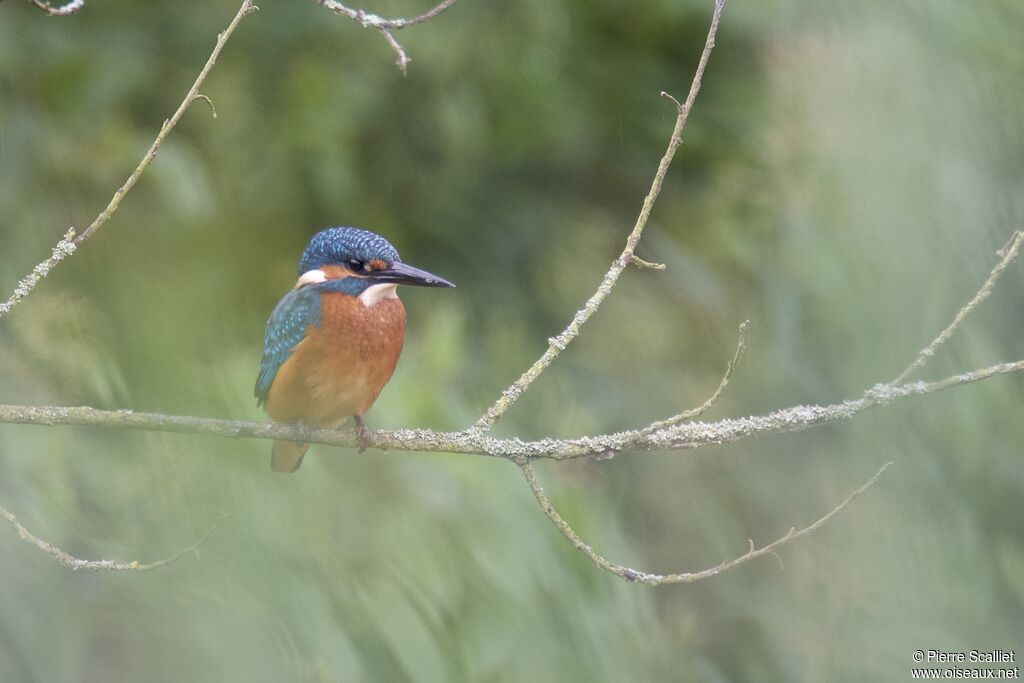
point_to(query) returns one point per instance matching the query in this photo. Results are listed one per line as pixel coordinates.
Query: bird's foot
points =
(304, 429)
(363, 434)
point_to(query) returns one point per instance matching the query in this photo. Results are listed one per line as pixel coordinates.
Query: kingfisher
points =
(333, 341)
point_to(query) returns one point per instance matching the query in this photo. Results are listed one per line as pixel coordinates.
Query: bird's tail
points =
(286, 456)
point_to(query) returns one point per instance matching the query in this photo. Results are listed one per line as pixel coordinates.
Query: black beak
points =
(404, 274)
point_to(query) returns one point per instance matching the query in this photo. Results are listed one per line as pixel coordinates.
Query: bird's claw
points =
(362, 435)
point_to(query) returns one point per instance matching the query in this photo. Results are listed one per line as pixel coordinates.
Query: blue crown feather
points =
(338, 245)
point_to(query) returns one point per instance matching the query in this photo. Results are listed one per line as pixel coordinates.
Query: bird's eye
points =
(356, 265)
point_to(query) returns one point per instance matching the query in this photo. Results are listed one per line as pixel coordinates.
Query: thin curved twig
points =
(741, 346)
(61, 11)
(70, 242)
(75, 564)
(557, 344)
(386, 26)
(651, 579)
(1008, 253)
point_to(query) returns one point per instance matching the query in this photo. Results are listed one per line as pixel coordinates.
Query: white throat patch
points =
(311, 277)
(374, 293)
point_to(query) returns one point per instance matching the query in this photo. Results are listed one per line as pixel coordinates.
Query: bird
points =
(333, 341)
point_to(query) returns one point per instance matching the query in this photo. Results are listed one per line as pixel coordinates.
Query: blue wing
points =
(287, 326)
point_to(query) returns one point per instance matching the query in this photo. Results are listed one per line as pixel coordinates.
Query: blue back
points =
(295, 312)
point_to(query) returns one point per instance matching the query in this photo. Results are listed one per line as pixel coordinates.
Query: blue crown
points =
(338, 245)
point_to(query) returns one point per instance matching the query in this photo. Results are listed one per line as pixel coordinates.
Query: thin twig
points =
(640, 263)
(402, 60)
(558, 344)
(741, 346)
(69, 243)
(688, 435)
(74, 564)
(386, 26)
(209, 102)
(62, 11)
(1007, 254)
(636, 575)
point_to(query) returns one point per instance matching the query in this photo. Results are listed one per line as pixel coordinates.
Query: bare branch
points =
(1007, 254)
(74, 564)
(68, 244)
(557, 344)
(386, 26)
(636, 575)
(681, 436)
(370, 20)
(62, 11)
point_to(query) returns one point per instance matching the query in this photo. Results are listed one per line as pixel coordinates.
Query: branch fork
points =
(387, 27)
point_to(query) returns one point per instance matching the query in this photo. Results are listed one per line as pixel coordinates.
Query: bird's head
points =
(368, 265)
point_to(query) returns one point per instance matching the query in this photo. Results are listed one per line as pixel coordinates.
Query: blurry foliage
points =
(848, 172)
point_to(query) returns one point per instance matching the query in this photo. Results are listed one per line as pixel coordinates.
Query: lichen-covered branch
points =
(557, 344)
(387, 27)
(74, 564)
(651, 579)
(678, 436)
(60, 11)
(67, 246)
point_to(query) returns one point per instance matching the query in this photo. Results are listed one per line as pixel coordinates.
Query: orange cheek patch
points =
(377, 264)
(335, 272)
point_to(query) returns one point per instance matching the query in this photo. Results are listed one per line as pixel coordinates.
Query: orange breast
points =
(340, 367)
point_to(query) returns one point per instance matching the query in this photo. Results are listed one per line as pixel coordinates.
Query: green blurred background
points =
(847, 175)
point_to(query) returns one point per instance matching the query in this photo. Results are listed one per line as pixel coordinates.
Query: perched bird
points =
(333, 341)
